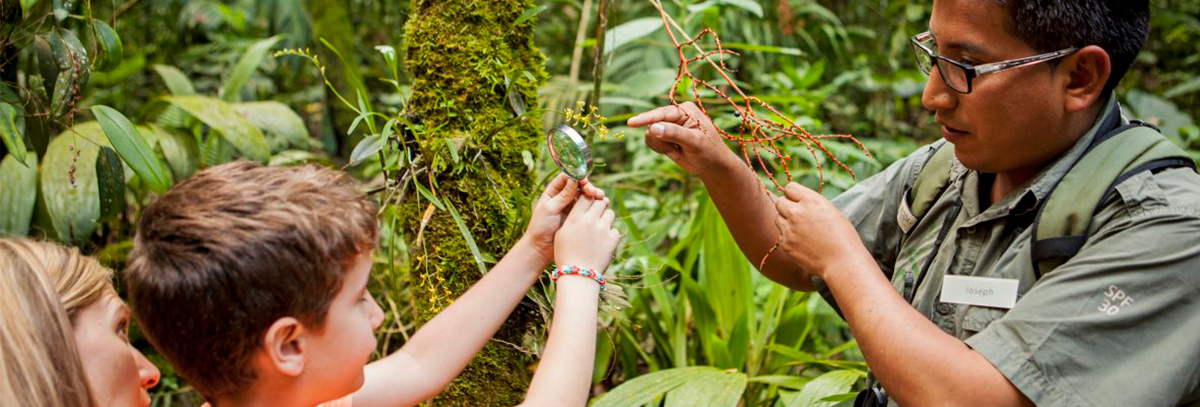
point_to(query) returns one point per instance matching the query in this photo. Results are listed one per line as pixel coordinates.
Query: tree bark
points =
(471, 67)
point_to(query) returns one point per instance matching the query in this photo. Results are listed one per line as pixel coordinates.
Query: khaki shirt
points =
(1116, 325)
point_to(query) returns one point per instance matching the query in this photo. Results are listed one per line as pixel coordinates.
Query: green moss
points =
(465, 56)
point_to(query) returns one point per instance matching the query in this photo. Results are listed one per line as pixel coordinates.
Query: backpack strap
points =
(1063, 219)
(931, 181)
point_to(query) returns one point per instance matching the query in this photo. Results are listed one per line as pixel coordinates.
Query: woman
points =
(39, 365)
(117, 373)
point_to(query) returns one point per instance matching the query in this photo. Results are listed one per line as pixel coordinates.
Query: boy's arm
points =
(441, 349)
(564, 374)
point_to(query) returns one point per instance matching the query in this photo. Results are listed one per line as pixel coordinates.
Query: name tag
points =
(981, 291)
(905, 217)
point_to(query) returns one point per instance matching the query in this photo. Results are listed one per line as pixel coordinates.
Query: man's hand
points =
(551, 209)
(687, 136)
(814, 233)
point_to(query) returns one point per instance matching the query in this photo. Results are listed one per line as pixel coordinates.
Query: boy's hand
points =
(587, 239)
(550, 210)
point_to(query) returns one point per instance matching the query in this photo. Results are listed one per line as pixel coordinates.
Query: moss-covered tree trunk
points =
(471, 66)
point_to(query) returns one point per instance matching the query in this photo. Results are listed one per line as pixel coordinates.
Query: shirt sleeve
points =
(1116, 325)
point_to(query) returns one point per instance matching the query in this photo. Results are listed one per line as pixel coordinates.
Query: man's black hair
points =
(1120, 27)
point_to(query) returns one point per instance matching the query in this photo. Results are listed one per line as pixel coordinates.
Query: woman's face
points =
(118, 374)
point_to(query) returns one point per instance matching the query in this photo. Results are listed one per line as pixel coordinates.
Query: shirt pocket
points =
(976, 319)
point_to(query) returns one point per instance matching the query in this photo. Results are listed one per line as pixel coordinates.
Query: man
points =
(1117, 324)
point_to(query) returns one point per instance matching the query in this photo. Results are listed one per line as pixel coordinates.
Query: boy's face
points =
(1012, 121)
(339, 353)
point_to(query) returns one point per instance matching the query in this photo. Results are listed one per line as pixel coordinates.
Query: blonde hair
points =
(39, 361)
(79, 280)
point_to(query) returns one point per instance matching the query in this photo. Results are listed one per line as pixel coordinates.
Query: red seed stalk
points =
(756, 136)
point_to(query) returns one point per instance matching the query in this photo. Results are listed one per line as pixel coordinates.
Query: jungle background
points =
(440, 106)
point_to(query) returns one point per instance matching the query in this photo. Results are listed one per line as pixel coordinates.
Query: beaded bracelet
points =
(577, 271)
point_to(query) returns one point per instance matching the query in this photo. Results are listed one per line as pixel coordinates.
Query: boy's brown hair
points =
(226, 253)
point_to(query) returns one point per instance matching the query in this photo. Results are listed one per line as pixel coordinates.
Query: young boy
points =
(252, 281)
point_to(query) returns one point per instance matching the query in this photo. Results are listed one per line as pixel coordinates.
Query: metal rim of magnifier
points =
(579, 142)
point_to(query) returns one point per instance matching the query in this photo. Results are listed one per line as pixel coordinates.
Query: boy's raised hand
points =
(550, 210)
(587, 238)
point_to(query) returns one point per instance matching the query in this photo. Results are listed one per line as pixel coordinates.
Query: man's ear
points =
(285, 346)
(1088, 70)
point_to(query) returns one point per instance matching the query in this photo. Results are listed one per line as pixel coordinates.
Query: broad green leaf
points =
(109, 43)
(1183, 88)
(629, 31)
(110, 178)
(710, 388)
(276, 118)
(18, 195)
(1159, 112)
(725, 272)
(176, 81)
(791, 382)
(835, 383)
(748, 5)
(10, 134)
(180, 150)
(466, 233)
(72, 59)
(532, 12)
(245, 67)
(133, 149)
(294, 157)
(366, 149)
(760, 48)
(222, 117)
(68, 181)
(649, 387)
(649, 83)
(47, 65)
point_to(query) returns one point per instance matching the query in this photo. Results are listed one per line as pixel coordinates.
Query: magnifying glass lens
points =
(570, 151)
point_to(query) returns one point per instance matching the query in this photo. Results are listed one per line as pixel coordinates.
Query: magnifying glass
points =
(570, 151)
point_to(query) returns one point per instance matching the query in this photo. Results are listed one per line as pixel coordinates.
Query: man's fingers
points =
(663, 114)
(673, 134)
(795, 192)
(781, 206)
(660, 146)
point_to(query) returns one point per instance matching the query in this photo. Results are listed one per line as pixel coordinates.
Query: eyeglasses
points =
(960, 76)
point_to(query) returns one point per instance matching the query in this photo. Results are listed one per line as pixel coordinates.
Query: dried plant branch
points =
(758, 138)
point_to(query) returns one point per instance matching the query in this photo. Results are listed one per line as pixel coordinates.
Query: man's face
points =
(345, 344)
(1013, 120)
